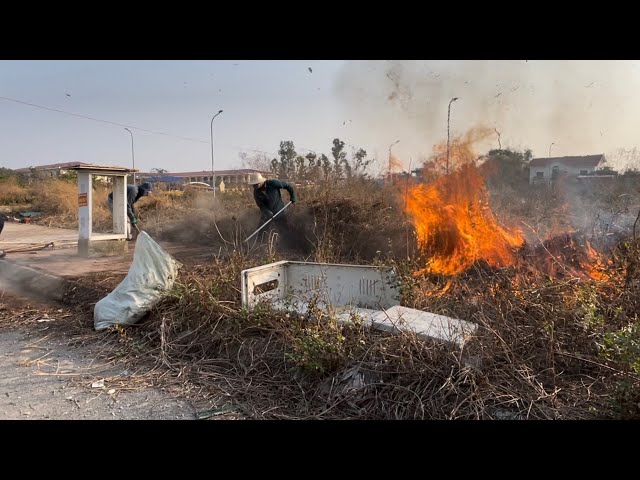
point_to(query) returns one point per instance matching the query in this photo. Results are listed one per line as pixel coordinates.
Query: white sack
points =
(152, 273)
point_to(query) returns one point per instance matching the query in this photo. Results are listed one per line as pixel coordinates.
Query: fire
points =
(456, 228)
(595, 267)
(570, 254)
(454, 224)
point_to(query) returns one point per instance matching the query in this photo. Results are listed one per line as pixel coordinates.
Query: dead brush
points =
(13, 193)
(538, 354)
(57, 199)
(549, 328)
(547, 348)
(193, 218)
(164, 208)
(358, 225)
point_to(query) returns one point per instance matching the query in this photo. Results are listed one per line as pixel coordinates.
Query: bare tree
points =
(256, 161)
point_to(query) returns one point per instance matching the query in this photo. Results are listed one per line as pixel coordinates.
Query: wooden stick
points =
(30, 248)
(35, 243)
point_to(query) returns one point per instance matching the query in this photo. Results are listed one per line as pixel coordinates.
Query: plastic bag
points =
(152, 273)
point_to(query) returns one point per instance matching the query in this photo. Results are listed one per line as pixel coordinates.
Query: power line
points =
(103, 121)
(155, 132)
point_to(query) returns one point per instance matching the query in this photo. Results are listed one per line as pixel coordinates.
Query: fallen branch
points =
(32, 248)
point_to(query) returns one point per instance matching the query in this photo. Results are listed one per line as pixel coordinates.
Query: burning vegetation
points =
(456, 228)
(453, 220)
(570, 255)
(455, 225)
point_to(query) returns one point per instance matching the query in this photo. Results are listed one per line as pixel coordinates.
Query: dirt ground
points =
(41, 378)
(53, 365)
(48, 373)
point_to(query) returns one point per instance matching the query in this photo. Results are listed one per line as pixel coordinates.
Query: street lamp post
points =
(133, 158)
(448, 124)
(213, 172)
(552, 144)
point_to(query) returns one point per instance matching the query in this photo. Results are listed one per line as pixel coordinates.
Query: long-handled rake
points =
(267, 222)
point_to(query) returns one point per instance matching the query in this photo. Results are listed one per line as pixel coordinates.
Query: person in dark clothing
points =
(2, 254)
(134, 193)
(269, 200)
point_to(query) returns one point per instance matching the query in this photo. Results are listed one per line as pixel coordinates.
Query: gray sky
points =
(582, 107)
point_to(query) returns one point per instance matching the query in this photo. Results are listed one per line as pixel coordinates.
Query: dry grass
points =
(541, 351)
(13, 193)
(57, 199)
(356, 223)
(547, 348)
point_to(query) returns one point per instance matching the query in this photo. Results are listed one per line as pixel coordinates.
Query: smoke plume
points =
(574, 107)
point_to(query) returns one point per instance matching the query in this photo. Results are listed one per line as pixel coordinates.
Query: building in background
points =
(230, 179)
(544, 170)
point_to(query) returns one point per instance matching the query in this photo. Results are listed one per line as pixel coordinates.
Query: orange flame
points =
(595, 266)
(454, 225)
(570, 254)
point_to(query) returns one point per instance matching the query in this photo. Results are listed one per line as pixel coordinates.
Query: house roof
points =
(50, 166)
(575, 161)
(83, 165)
(104, 168)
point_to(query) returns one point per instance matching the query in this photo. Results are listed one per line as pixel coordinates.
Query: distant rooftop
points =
(50, 166)
(574, 161)
(73, 166)
(92, 167)
(206, 173)
(89, 166)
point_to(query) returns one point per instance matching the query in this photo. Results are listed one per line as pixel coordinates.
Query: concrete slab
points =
(16, 234)
(66, 262)
(424, 324)
(395, 320)
(63, 260)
